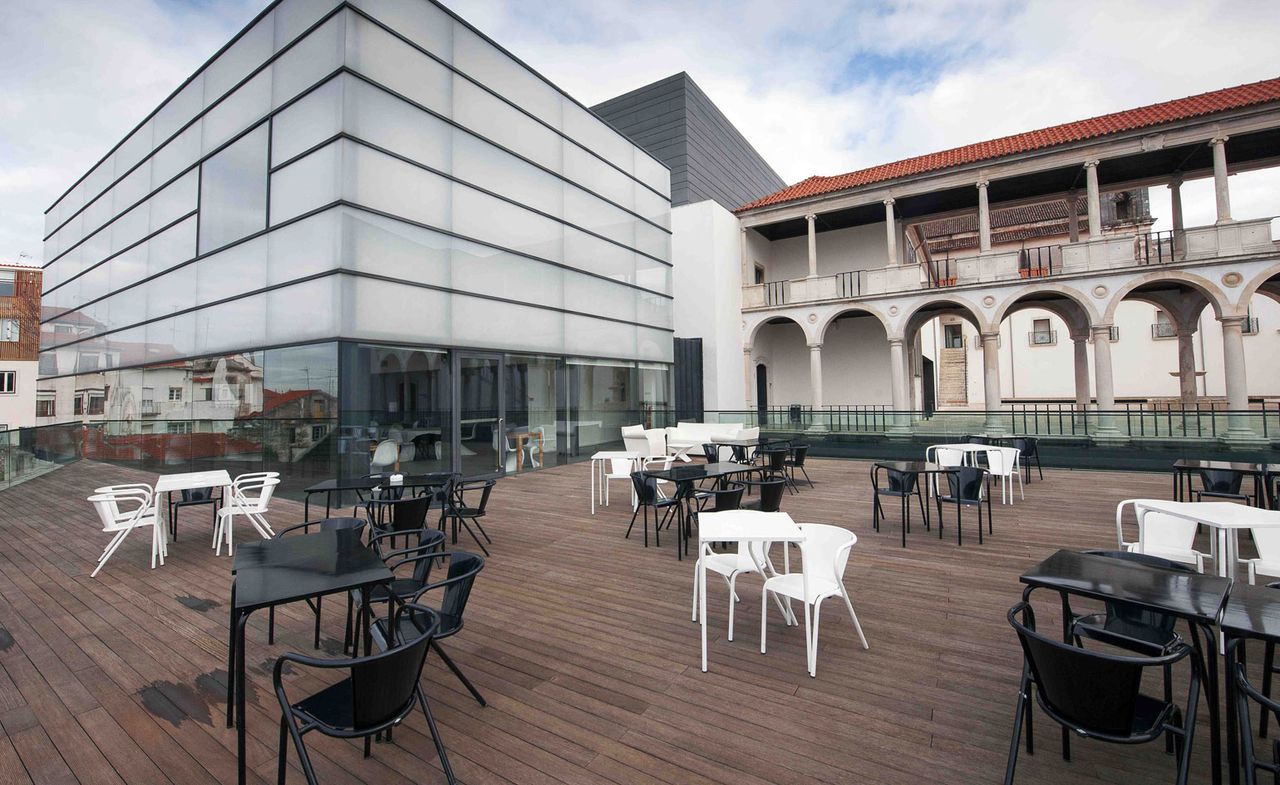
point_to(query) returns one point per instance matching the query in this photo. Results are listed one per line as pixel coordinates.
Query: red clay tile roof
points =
(1116, 122)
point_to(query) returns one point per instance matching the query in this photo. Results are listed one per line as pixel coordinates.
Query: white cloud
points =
(819, 87)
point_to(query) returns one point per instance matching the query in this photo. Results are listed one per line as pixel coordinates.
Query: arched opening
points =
(856, 368)
(781, 368)
(944, 357)
(1044, 354)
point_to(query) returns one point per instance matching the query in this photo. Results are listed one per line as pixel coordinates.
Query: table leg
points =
(1211, 693)
(702, 598)
(1233, 725)
(306, 507)
(240, 691)
(231, 655)
(1177, 486)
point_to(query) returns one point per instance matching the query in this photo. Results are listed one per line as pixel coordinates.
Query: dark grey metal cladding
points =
(674, 120)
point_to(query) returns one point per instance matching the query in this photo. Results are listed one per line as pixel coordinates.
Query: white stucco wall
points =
(18, 410)
(842, 250)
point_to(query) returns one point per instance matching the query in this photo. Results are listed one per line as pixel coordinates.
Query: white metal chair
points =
(750, 557)
(386, 456)
(249, 496)
(944, 456)
(825, 551)
(119, 522)
(634, 439)
(1267, 541)
(1004, 462)
(1163, 535)
(619, 469)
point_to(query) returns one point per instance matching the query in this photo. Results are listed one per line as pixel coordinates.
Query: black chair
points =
(902, 485)
(463, 513)
(414, 560)
(726, 498)
(1268, 706)
(742, 454)
(406, 515)
(964, 489)
(1096, 695)
(324, 524)
(711, 452)
(379, 692)
(455, 590)
(191, 497)
(1220, 484)
(647, 497)
(1029, 452)
(775, 465)
(770, 498)
(385, 492)
(1268, 669)
(796, 461)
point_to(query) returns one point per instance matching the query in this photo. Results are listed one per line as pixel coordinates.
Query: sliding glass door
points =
(482, 435)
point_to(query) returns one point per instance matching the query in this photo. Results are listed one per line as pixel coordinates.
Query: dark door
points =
(762, 393)
(928, 402)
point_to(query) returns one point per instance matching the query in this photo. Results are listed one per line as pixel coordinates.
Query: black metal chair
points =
(770, 498)
(726, 498)
(711, 452)
(192, 497)
(380, 691)
(742, 454)
(1220, 484)
(902, 485)
(464, 514)
(324, 524)
(454, 590)
(1029, 453)
(385, 492)
(775, 465)
(647, 497)
(414, 560)
(1268, 706)
(1096, 695)
(405, 515)
(796, 461)
(1268, 669)
(964, 489)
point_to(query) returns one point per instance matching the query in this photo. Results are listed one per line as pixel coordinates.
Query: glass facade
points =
(435, 193)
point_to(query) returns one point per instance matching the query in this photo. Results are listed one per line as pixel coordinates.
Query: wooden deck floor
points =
(580, 640)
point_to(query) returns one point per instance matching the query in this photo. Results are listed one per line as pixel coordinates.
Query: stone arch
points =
(1024, 298)
(1216, 298)
(752, 328)
(921, 313)
(1259, 285)
(820, 331)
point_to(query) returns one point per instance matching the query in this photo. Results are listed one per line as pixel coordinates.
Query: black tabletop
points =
(369, 483)
(914, 467)
(271, 572)
(700, 471)
(1227, 466)
(1252, 612)
(1186, 595)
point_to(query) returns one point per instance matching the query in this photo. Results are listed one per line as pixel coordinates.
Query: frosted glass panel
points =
(294, 17)
(389, 61)
(653, 241)
(306, 184)
(132, 150)
(376, 180)
(595, 296)
(654, 345)
(382, 119)
(395, 249)
(241, 268)
(653, 275)
(594, 215)
(480, 60)
(176, 156)
(486, 324)
(382, 310)
(233, 191)
(304, 248)
(310, 121)
(484, 165)
(652, 173)
(491, 220)
(478, 268)
(127, 192)
(178, 111)
(653, 207)
(175, 291)
(231, 325)
(595, 175)
(489, 117)
(654, 310)
(124, 231)
(165, 340)
(307, 62)
(423, 23)
(601, 257)
(303, 312)
(594, 134)
(168, 248)
(239, 111)
(596, 337)
(251, 50)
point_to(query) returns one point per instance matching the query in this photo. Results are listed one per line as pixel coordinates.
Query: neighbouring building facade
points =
(361, 221)
(19, 345)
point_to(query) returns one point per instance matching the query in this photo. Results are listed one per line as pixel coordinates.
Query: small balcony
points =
(1042, 338)
(1163, 330)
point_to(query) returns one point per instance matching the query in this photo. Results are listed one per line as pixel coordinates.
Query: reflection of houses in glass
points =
(298, 422)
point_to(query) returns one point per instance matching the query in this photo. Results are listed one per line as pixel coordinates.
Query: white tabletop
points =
(747, 526)
(1222, 515)
(607, 455)
(189, 480)
(964, 447)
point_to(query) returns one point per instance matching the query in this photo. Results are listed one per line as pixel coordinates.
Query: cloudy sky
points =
(818, 87)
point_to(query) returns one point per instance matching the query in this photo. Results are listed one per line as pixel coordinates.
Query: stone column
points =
(812, 219)
(984, 218)
(1091, 193)
(1104, 382)
(1221, 192)
(1237, 386)
(1073, 220)
(1187, 365)
(819, 422)
(1080, 345)
(991, 380)
(891, 232)
(1175, 210)
(747, 277)
(748, 376)
(898, 383)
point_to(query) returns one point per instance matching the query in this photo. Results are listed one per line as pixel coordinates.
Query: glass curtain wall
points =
(535, 407)
(604, 396)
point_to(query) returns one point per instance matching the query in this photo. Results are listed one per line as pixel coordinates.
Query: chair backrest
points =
(386, 453)
(657, 463)
(1160, 531)
(1027, 445)
(646, 487)
(461, 489)
(1135, 614)
(461, 576)
(407, 514)
(1086, 689)
(1002, 460)
(655, 440)
(826, 550)
(325, 524)
(633, 439)
(899, 482)
(948, 456)
(253, 491)
(728, 497)
(741, 453)
(965, 483)
(384, 686)
(107, 503)
(711, 452)
(798, 453)
(197, 494)
(1267, 540)
(771, 492)
(621, 467)
(777, 459)
(1221, 481)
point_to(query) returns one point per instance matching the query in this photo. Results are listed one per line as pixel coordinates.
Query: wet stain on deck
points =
(197, 603)
(6, 640)
(175, 703)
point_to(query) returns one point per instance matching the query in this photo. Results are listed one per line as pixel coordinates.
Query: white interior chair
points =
(750, 557)
(509, 461)
(123, 508)
(1163, 535)
(249, 496)
(634, 440)
(385, 456)
(825, 551)
(1267, 541)
(1004, 462)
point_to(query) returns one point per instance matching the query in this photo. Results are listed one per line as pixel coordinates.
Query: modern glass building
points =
(361, 221)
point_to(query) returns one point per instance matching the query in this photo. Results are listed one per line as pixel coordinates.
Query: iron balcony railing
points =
(941, 273)
(1153, 247)
(1160, 330)
(1250, 326)
(1040, 261)
(1042, 337)
(1114, 334)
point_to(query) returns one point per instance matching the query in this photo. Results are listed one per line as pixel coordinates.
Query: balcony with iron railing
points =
(1042, 337)
(1163, 330)
(1103, 254)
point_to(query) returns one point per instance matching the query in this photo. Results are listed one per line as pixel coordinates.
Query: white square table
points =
(168, 483)
(741, 526)
(1225, 518)
(598, 462)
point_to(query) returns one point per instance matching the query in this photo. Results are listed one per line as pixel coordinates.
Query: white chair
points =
(619, 469)
(944, 456)
(509, 461)
(249, 496)
(1163, 535)
(751, 557)
(1267, 541)
(634, 440)
(1004, 462)
(825, 551)
(108, 501)
(385, 456)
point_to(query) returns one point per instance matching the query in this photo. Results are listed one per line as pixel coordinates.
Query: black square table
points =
(1185, 467)
(686, 475)
(1197, 599)
(1252, 612)
(362, 485)
(277, 572)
